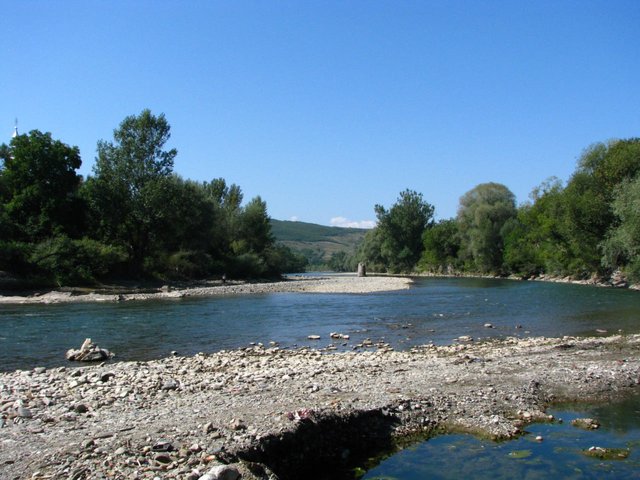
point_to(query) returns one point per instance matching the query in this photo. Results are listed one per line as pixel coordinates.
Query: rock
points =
(24, 412)
(223, 472)
(163, 458)
(162, 445)
(339, 336)
(237, 424)
(106, 376)
(88, 352)
(586, 423)
(170, 384)
(313, 337)
(465, 338)
(488, 325)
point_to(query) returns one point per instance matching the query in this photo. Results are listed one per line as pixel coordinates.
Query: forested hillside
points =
(320, 245)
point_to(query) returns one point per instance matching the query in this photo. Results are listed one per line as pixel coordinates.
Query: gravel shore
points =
(321, 284)
(274, 413)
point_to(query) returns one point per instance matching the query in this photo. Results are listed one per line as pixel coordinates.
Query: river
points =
(434, 310)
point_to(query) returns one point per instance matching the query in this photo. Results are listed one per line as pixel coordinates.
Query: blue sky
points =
(326, 108)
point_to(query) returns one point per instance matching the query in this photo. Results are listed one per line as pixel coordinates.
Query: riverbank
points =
(320, 284)
(299, 413)
(614, 281)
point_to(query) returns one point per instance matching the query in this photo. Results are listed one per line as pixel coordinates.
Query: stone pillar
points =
(362, 270)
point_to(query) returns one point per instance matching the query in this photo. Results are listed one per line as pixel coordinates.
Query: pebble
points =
(121, 423)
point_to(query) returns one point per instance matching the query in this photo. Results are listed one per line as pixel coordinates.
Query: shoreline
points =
(334, 283)
(321, 284)
(291, 412)
(612, 282)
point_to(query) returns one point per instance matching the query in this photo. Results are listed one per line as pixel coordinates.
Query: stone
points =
(163, 458)
(24, 412)
(237, 424)
(586, 423)
(88, 352)
(313, 337)
(162, 445)
(170, 384)
(224, 472)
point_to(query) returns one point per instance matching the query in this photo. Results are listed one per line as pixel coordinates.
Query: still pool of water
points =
(433, 310)
(558, 455)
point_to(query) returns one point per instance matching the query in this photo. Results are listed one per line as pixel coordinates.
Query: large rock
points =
(89, 352)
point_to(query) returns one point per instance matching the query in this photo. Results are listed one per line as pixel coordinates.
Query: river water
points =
(560, 454)
(433, 310)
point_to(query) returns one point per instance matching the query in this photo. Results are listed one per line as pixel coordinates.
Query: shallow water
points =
(433, 310)
(558, 455)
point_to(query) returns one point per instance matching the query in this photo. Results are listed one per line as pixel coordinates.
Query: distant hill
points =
(316, 242)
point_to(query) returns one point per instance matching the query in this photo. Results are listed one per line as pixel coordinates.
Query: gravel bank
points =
(294, 414)
(328, 284)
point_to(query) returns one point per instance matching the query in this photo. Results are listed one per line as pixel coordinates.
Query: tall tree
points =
(482, 214)
(130, 189)
(401, 228)
(621, 248)
(39, 186)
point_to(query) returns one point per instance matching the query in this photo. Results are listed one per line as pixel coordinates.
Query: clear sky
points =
(325, 108)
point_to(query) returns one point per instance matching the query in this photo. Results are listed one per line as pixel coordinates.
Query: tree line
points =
(134, 217)
(588, 226)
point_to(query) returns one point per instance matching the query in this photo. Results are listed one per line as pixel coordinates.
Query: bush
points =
(189, 264)
(75, 262)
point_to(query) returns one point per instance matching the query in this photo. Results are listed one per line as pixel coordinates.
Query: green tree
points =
(621, 248)
(131, 186)
(588, 200)
(441, 246)
(482, 215)
(534, 240)
(401, 229)
(38, 188)
(370, 251)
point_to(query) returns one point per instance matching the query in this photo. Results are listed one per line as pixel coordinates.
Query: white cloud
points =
(294, 219)
(346, 223)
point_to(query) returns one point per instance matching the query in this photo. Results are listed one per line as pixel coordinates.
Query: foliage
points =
(38, 188)
(441, 245)
(622, 245)
(66, 261)
(131, 184)
(533, 240)
(400, 231)
(483, 213)
(133, 216)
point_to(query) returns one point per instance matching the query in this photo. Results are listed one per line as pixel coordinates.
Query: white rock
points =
(223, 472)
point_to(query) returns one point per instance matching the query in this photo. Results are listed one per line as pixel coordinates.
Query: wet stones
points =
(586, 423)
